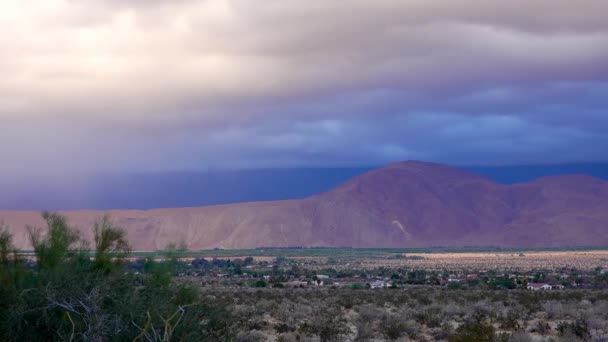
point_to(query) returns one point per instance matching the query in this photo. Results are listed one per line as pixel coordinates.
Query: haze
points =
(100, 86)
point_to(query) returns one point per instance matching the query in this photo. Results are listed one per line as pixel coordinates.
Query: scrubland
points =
(66, 290)
(415, 314)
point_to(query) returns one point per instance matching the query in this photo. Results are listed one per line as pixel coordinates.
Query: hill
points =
(408, 204)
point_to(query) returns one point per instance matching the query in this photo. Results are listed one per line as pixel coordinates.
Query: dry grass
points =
(582, 260)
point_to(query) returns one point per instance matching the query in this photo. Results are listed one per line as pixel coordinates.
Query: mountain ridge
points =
(405, 204)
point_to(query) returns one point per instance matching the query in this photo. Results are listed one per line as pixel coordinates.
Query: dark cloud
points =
(156, 85)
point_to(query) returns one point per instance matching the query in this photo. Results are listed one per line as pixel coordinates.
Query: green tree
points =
(110, 241)
(6, 245)
(59, 243)
(66, 297)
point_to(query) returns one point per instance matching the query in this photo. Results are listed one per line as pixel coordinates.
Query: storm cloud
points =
(107, 85)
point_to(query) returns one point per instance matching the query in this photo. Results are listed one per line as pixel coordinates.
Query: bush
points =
(541, 327)
(328, 324)
(578, 328)
(260, 283)
(477, 333)
(392, 327)
(69, 296)
(520, 336)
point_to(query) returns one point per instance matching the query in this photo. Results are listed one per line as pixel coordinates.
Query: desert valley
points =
(304, 171)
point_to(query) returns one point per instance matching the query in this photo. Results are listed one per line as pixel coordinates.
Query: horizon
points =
(175, 189)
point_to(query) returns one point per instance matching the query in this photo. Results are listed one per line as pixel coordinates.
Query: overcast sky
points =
(152, 85)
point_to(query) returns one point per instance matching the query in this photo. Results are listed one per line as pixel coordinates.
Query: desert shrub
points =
(265, 305)
(411, 328)
(578, 328)
(6, 246)
(110, 242)
(347, 301)
(443, 332)
(283, 328)
(600, 310)
(291, 337)
(431, 316)
(553, 309)
(370, 312)
(597, 324)
(541, 327)
(251, 336)
(365, 331)
(452, 311)
(328, 324)
(454, 285)
(260, 283)
(392, 327)
(69, 296)
(477, 332)
(509, 320)
(520, 336)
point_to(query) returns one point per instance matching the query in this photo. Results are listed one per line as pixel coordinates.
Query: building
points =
(296, 283)
(539, 286)
(378, 284)
(456, 280)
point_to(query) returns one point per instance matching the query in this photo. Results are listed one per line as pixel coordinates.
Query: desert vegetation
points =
(69, 290)
(418, 314)
(70, 294)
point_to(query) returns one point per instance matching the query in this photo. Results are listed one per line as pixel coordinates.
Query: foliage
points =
(260, 283)
(6, 245)
(578, 328)
(71, 296)
(58, 245)
(392, 327)
(110, 241)
(477, 332)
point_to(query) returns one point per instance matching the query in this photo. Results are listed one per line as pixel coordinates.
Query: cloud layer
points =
(172, 84)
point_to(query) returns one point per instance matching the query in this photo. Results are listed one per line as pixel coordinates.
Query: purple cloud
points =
(157, 85)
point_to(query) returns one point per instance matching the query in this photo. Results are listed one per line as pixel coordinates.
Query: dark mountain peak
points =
(435, 171)
(413, 175)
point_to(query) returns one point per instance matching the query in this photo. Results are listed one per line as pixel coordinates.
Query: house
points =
(296, 283)
(538, 286)
(557, 286)
(322, 276)
(378, 284)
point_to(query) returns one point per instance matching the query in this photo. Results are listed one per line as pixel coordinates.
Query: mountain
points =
(510, 174)
(407, 204)
(149, 190)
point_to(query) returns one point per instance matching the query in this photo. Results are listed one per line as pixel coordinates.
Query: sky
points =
(95, 86)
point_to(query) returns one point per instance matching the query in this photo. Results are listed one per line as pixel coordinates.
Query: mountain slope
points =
(408, 204)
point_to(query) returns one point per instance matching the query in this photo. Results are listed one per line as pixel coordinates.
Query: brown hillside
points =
(409, 204)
